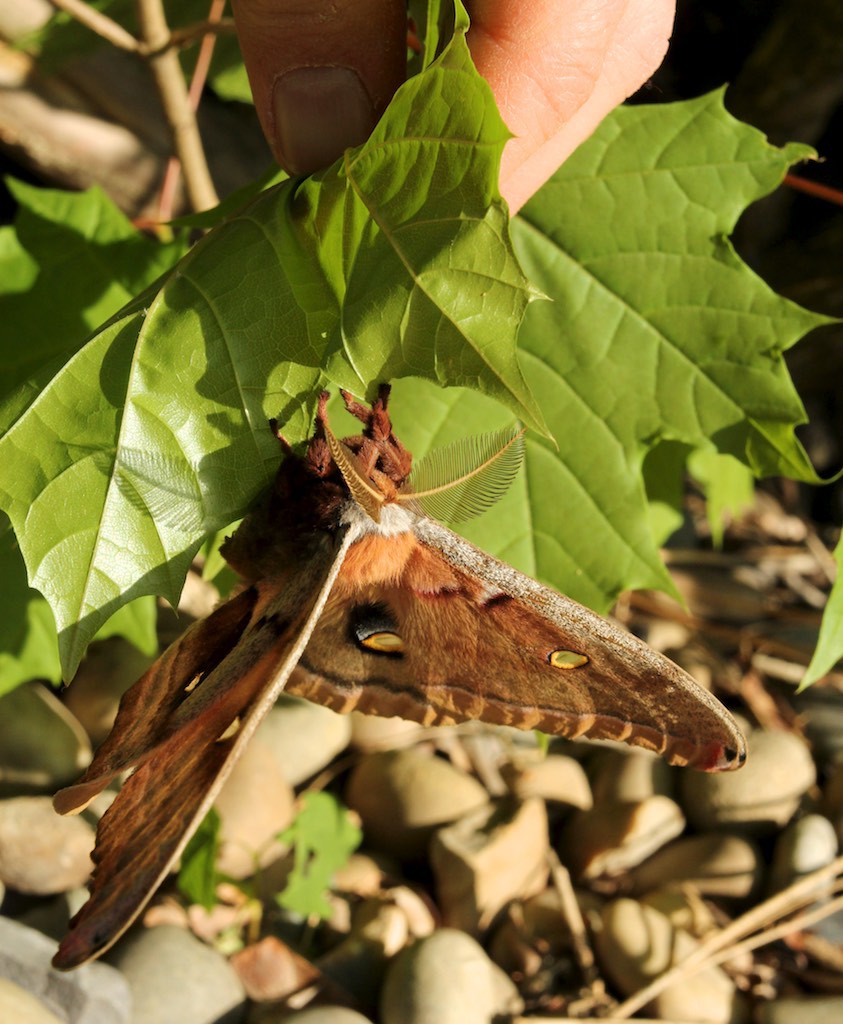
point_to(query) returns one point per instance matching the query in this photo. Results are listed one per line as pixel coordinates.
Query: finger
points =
(557, 67)
(321, 72)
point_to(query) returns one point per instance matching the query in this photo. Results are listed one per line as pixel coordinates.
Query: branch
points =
(166, 69)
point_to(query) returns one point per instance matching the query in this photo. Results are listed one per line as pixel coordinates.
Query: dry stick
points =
(601, 1020)
(799, 923)
(573, 916)
(166, 69)
(197, 83)
(771, 909)
(99, 23)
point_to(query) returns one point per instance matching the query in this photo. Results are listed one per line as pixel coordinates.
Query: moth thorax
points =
(394, 519)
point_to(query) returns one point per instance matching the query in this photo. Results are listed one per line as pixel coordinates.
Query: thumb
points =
(321, 72)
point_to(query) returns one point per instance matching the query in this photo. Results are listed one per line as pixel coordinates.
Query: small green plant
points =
(323, 837)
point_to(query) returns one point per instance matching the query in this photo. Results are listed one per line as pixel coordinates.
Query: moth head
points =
(452, 483)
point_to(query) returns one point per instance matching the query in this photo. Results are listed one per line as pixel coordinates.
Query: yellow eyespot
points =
(232, 730)
(387, 643)
(567, 659)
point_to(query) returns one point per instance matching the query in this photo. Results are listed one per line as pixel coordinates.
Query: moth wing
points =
(453, 634)
(189, 755)
(147, 707)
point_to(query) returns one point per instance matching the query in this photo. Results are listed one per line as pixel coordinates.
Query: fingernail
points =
(319, 112)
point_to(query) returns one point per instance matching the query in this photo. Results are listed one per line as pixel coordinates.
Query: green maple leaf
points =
(396, 261)
(830, 644)
(657, 332)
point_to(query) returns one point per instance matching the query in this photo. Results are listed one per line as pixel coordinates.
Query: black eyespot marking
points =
(374, 629)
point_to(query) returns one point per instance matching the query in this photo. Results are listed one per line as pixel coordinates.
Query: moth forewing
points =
(607, 683)
(161, 805)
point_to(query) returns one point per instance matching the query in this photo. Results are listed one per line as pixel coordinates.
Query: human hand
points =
(322, 73)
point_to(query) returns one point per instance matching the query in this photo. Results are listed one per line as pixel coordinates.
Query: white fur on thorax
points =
(394, 520)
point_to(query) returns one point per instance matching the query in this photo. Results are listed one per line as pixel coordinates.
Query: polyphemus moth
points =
(354, 598)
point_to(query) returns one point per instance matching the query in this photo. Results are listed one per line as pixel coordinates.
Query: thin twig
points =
(792, 924)
(104, 26)
(197, 84)
(188, 34)
(724, 941)
(602, 1020)
(573, 917)
(166, 69)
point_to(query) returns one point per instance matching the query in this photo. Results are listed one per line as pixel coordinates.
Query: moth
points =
(353, 597)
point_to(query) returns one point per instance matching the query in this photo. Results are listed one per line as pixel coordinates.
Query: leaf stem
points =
(166, 70)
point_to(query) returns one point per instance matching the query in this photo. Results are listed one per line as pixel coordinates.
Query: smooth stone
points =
(255, 804)
(357, 964)
(821, 708)
(176, 979)
(361, 875)
(636, 943)
(807, 1010)
(760, 798)
(371, 732)
(555, 778)
(487, 858)
(303, 736)
(42, 746)
(41, 852)
(715, 864)
(535, 930)
(629, 776)
(324, 1015)
(612, 838)
(403, 796)
(275, 975)
(92, 994)
(22, 1007)
(108, 669)
(804, 846)
(832, 801)
(446, 978)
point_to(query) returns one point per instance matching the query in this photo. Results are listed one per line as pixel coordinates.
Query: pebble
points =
(832, 803)
(716, 864)
(42, 746)
(42, 852)
(303, 736)
(357, 965)
(371, 732)
(255, 804)
(403, 796)
(612, 838)
(321, 1015)
(821, 708)
(446, 978)
(804, 846)
(93, 994)
(488, 858)
(108, 669)
(636, 943)
(556, 778)
(22, 1007)
(759, 798)
(176, 979)
(629, 776)
(808, 1010)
